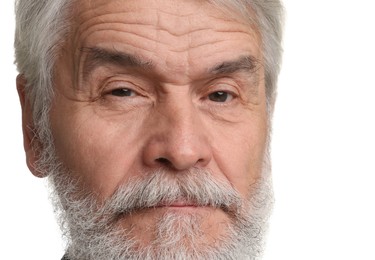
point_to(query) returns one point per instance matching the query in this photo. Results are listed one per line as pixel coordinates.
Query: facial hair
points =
(92, 231)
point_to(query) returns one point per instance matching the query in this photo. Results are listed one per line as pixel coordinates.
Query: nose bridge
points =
(183, 132)
(179, 137)
(181, 118)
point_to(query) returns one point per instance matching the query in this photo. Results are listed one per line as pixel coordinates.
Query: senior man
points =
(151, 119)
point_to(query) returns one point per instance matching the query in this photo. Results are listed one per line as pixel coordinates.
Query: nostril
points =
(163, 161)
(201, 160)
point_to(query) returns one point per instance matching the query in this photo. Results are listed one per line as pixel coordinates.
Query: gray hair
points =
(42, 26)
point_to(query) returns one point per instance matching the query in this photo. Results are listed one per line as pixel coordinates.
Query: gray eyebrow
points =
(98, 57)
(244, 63)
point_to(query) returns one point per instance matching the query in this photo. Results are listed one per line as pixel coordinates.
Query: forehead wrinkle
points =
(131, 13)
(195, 30)
(180, 26)
(126, 19)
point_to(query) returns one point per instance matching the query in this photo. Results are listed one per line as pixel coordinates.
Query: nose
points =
(178, 138)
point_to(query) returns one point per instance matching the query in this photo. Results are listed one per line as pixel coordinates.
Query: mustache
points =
(195, 187)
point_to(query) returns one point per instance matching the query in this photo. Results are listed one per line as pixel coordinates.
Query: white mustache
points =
(195, 187)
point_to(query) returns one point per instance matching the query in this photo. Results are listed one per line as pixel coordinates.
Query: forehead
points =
(181, 32)
(180, 8)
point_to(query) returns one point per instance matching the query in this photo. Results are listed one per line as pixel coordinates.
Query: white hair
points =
(93, 232)
(42, 27)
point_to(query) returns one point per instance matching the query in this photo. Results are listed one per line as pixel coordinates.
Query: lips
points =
(178, 204)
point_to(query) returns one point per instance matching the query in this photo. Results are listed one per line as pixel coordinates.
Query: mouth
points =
(178, 204)
(181, 206)
(178, 207)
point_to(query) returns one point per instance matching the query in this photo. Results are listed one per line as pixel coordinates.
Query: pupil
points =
(123, 92)
(218, 96)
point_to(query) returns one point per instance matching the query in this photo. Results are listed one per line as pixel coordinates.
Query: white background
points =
(323, 142)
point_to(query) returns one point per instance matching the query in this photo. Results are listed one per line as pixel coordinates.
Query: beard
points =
(93, 229)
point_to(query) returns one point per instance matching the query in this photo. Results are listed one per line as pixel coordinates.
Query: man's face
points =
(142, 86)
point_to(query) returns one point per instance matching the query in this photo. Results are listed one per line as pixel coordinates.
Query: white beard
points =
(92, 233)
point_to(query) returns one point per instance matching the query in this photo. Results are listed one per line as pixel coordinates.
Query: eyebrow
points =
(97, 57)
(244, 63)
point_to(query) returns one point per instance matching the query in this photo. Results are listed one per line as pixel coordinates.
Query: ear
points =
(30, 142)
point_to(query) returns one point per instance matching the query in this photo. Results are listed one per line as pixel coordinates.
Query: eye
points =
(220, 96)
(123, 92)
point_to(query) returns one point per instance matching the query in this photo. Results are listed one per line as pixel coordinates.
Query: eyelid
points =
(224, 87)
(119, 84)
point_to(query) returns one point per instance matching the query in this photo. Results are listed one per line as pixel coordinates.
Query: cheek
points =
(240, 154)
(98, 152)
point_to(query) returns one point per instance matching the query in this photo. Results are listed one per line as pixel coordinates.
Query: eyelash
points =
(221, 94)
(124, 91)
(225, 88)
(218, 93)
(112, 86)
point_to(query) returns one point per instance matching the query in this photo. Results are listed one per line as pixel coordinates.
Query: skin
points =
(179, 109)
